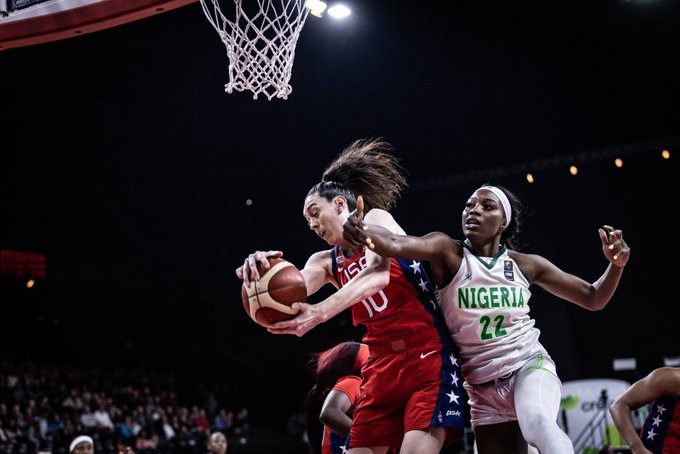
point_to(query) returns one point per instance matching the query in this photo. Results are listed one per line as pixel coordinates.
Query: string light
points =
(617, 153)
(249, 202)
(530, 177)
(618, 162)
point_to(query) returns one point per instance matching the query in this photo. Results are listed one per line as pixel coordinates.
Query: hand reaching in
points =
(354, 229)
(614, 247)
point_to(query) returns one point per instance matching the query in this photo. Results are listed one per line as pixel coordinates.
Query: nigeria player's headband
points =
(80, 439)
(504, 201)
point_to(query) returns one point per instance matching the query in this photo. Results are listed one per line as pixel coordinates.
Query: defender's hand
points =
(354, 229)
(614, 247)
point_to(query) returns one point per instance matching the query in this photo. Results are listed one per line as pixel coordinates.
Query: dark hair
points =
(366, 168)
(328, 366)
(509, 237)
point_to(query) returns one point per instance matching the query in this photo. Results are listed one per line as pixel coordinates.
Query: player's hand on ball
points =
(248, 271)
(308, 317)
(269, 299)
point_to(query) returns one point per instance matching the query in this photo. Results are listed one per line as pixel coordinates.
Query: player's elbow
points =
(592, 301)
(612, 409)
(331, 417)
(597, 305)
(325, 417)
(618, 408)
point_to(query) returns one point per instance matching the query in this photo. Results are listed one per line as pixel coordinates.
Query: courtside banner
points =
(585, 415)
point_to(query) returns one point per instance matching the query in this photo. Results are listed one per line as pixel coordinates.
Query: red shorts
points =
(418, 387)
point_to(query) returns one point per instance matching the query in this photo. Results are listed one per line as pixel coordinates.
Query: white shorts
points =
(493, 402)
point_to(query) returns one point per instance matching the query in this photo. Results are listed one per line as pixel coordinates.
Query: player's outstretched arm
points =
(390, 243)
(592, 296)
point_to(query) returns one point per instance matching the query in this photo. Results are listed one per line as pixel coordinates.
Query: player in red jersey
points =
(412, 396)
(660, 433)
(331, 401)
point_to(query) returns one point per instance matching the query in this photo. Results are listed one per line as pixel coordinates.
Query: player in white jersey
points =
(514, 391)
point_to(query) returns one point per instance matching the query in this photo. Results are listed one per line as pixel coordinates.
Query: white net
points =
(260, 42)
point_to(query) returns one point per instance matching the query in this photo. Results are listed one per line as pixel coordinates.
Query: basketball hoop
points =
(261, 42)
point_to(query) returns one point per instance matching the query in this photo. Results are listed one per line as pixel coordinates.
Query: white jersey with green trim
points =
(486, 307)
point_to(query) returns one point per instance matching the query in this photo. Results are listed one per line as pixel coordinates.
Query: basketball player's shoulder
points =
(378, 216)
(667, 378)
(320, 257)
(523, 259)
(347, 383)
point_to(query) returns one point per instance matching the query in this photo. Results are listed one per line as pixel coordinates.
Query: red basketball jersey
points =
(332, 442)
(406, 306)
(412, 376)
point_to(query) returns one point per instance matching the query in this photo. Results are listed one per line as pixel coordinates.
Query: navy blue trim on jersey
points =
(419, 274)
(452, 397)
(335, 265)
(339, 443)
(656, 425)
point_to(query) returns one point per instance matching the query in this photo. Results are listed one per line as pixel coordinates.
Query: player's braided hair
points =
(368, 168)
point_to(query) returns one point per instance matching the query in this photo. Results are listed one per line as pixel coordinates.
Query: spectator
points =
(73, 403)
(81, 444)
(5, 436)
(223, 420)
(168, 430)
(217, 443)
(200, 419)
(88, 419)
(126, 428)
(101, 415)
(146, 442)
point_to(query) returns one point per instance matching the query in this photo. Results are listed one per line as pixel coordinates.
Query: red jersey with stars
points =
(412, 377)
(661, 430)
(406, 306)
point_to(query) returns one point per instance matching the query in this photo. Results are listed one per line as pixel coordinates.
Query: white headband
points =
(504, 201)
(78, 440)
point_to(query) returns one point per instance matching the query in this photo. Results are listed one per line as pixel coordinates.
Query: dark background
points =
(123, 160)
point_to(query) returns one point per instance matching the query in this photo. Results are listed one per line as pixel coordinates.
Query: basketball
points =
(268, 300)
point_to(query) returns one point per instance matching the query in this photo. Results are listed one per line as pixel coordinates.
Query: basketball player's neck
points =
(349, 251)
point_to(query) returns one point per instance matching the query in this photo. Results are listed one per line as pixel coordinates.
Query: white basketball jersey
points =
(486, 307)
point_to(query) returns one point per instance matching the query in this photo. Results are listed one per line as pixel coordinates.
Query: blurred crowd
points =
(43, 407)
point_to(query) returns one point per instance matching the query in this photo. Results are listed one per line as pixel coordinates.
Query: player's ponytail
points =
(368, 168)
